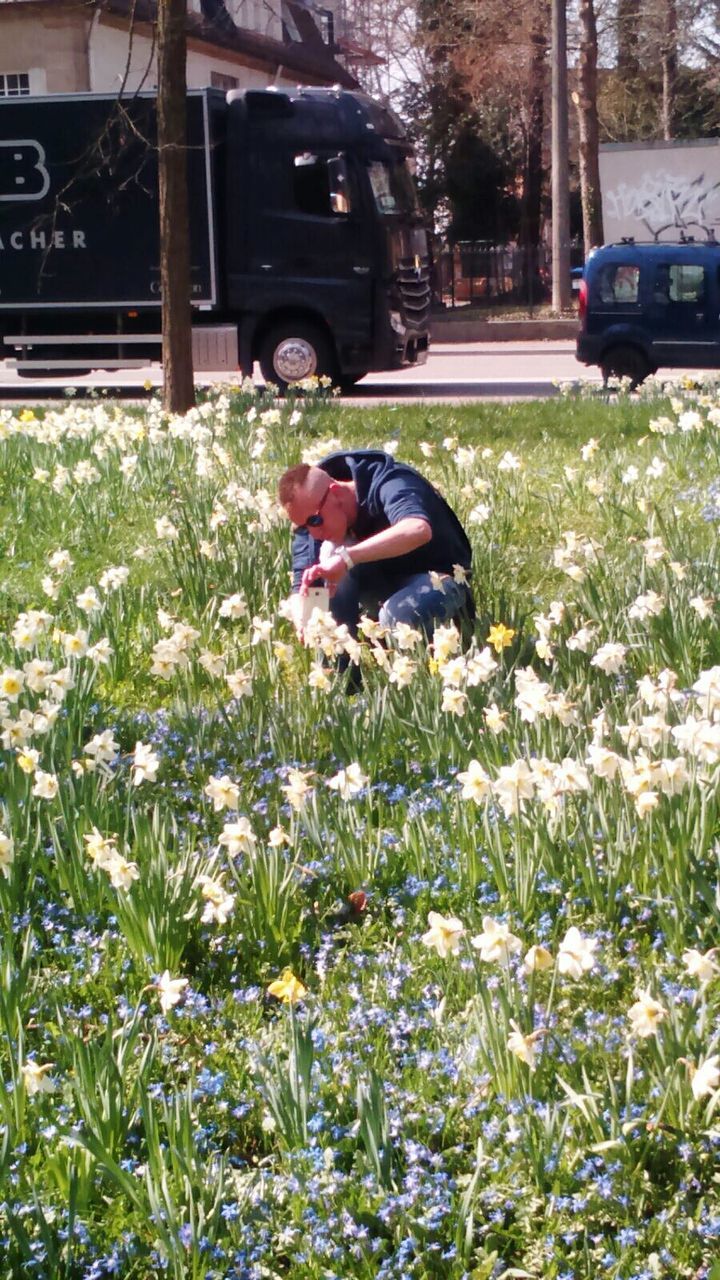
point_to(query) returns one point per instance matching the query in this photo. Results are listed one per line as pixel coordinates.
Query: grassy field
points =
(417, 983)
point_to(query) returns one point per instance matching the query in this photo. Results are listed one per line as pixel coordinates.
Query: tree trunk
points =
(178, 381)
(669, 69)
(628, 38)
(586, 102)
(560, 169)
(533, 176)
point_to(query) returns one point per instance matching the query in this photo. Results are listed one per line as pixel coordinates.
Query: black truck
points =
(307, 246)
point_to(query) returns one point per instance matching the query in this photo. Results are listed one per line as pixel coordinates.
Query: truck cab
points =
(326, 254)
(648, 306)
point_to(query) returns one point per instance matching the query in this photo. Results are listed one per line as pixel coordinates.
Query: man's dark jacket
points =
(387, 492)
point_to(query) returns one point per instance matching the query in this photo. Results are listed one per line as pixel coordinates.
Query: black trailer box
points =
(79, 205)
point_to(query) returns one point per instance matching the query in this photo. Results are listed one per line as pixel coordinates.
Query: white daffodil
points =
(703, 606)
(496, 943)
(239, 682)
(537, 960)
(610, 658)
(7, 853)
(475, 782)
(297, 788)
(514, 784)
(100, 849)
(146, 763)
(705, 1077)
(444, 934)
(403, 671)
(348, 782)
(234, 607)
(46, 785)
(102, 747)
(36, 1078)
(223, 792)
(88, 600)
(576, 955)
(646, 1015)
(12, 683)
(701, 965)
(480, 667)
(238, 837)
(454, 702)
(219, 905)
(169, 990)
(523, 1046)
(121, 872)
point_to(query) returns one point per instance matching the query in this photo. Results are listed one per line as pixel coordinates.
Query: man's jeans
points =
(396, 598)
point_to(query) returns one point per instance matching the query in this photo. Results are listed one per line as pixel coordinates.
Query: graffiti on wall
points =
(668, 205)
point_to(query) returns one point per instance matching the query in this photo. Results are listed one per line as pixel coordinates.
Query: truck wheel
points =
(291, 352)
(625, 362)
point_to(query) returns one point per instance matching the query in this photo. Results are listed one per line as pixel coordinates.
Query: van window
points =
(678, 282)
(619, 283)
(686, 283)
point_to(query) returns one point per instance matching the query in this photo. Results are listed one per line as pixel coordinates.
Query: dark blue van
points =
(648, 306)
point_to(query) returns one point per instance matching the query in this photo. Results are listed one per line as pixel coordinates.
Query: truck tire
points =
(296, 350)
(625, 362)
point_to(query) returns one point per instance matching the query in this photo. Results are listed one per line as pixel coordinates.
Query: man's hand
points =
(332, 572)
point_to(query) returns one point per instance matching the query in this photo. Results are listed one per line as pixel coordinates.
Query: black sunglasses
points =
(314, 522)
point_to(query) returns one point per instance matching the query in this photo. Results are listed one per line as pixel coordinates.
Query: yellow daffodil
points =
(287, 988)
(500, 636)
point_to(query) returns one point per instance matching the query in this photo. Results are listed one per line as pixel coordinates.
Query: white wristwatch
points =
(345, 555)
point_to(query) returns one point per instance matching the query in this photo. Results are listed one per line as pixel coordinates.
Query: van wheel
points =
(294, 351)
(625, 362)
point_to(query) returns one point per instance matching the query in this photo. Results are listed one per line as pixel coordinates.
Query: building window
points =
(220, 81)
(14, 84)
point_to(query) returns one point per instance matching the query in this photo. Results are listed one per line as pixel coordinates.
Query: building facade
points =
(103, 46)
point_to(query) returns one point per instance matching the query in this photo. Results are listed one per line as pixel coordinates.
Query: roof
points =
(309, 57)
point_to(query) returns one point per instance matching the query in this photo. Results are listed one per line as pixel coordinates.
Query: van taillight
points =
(582, 300)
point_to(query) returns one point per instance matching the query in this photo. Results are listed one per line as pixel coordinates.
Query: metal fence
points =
(479, 273)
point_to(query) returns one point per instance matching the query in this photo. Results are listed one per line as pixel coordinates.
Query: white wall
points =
(660, 189)
(108, 56)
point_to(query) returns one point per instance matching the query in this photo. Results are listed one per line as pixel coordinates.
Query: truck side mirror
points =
(339, 180)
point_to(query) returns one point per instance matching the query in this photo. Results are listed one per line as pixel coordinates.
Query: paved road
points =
(474, 370)
(454, 371)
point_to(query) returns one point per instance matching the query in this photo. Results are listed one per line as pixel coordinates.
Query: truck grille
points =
(413, 279)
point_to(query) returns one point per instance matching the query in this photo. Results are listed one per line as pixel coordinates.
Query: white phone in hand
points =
(305, 606)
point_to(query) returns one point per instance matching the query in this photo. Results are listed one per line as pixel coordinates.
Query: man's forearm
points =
(398, 540)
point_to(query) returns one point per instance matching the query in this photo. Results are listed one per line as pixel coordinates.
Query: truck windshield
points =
(393, 186)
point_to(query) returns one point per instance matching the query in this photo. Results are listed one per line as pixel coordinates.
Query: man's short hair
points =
(292, 480)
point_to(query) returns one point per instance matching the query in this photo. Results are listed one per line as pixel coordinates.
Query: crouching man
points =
(382, 539)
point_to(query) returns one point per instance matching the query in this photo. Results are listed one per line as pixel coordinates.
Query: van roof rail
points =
(692, 241)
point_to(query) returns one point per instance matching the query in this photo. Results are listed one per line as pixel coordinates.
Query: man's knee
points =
(424, 606)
